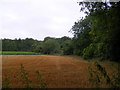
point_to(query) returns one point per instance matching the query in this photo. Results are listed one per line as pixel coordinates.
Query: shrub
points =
(88, 52)
(99, 75)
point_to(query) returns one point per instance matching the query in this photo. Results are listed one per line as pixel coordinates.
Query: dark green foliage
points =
(47, 38)
(81, 38)
(88, 52)
(50, 46)
(97, 35)
(67, 47)
(18, 44)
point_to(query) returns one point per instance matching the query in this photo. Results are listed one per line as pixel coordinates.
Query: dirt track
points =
(56, 71)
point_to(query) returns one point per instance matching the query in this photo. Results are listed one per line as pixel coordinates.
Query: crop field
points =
(19, 53)
(55, 71)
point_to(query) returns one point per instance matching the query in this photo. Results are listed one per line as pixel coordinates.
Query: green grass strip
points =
(19, 53)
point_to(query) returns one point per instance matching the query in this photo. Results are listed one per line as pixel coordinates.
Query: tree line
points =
(95, 36)
(50, 45)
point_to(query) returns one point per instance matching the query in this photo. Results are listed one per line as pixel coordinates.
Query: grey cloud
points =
(38, 18)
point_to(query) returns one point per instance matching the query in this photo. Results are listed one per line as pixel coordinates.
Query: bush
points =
(88, 52)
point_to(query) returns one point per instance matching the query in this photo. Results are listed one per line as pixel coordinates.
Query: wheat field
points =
(56, 71)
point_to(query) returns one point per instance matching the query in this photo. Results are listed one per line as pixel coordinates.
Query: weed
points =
(100, 75)
(40, 82)
(116, 78)
(24, 76)
(94, 77)
(103, 72)
(7, 82)
(25, 79)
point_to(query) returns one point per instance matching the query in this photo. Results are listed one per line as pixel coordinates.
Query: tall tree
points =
(50, 46)
(103, 22)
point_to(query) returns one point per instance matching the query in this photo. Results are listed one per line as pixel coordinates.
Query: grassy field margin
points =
(19, 53)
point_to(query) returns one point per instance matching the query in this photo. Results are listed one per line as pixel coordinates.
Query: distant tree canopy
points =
(98, 34)
(49, 45)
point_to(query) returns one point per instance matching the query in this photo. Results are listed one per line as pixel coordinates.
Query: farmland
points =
(36, 50)
(56, 71)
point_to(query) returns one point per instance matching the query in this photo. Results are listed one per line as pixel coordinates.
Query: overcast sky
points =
(37, 18)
